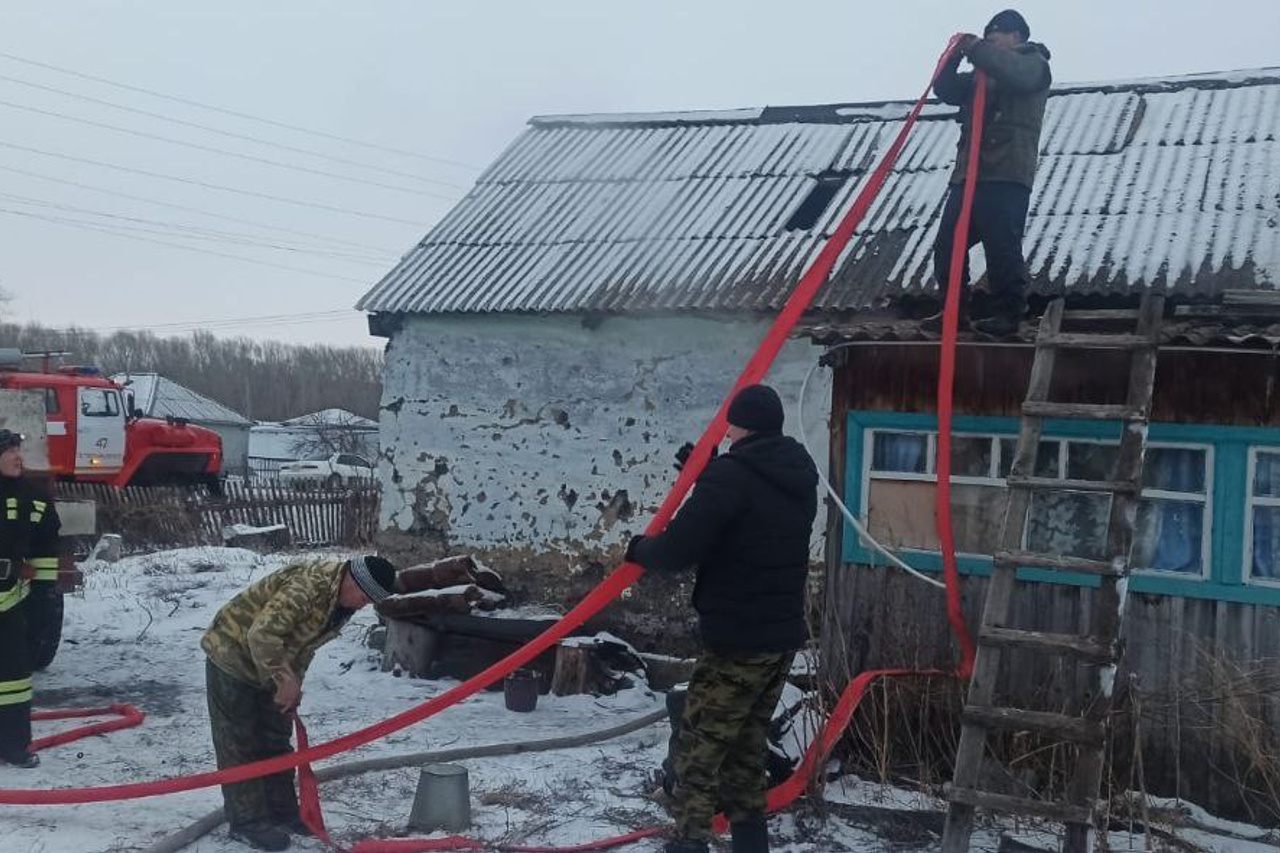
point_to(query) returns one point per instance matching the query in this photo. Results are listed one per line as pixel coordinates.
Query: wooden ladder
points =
(1099, 648)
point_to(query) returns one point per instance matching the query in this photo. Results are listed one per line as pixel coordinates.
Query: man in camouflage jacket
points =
(258, 648)
(1018, 79)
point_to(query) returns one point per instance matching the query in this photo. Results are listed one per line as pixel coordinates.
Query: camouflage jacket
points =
(274, 627)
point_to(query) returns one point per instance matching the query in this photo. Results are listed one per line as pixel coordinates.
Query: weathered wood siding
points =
(1213, 388)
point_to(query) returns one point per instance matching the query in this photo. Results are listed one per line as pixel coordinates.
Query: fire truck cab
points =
(96, 435)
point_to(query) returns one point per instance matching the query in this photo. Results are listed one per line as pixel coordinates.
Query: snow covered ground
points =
(133, 635)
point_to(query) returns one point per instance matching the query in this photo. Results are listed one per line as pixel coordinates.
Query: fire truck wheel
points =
(44, 626)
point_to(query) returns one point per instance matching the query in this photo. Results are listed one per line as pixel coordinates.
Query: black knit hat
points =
(1008, 21)
(375, 576)
(757, 408)
(9, 440)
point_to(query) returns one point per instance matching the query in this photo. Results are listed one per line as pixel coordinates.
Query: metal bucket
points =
(443, 799)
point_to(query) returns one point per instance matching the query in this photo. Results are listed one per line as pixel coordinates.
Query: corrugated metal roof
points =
(159, 397)
(1166, 183)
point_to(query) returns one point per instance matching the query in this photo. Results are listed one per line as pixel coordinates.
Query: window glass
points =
(971, 456)
(1046, 458)
(1070, 523)
(1171, 525)
(1266, 543)
(1089, 461)
(900, 452)
(1266, 475)
(1174, 469)
(1169, 536)
(99, 403)
(51, 406)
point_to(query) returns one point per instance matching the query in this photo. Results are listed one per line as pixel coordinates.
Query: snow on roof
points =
(1170, 183)
(332, 417)
(159, 397)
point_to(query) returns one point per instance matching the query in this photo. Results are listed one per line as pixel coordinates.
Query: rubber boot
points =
(750, 835)
(21, 758)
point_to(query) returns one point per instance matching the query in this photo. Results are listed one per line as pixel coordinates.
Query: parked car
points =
(332, 471)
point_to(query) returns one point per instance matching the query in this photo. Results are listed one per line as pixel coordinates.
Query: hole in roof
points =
(824, 189)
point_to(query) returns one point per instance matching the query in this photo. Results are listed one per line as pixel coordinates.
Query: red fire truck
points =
(95, 435)
(79, 426)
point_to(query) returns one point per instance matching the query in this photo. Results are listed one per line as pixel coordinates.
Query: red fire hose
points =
(622, 577)
(126, 716)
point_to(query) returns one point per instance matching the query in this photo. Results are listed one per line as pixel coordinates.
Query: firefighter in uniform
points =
(28, 557)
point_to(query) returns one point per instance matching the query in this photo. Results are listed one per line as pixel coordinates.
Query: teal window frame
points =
(1225, 579)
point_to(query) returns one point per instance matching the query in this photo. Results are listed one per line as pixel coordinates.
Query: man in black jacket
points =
(1018, 79)
(747, 529)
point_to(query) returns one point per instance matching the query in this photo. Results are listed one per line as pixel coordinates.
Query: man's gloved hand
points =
(630, 556)
(686, 450)
(967, 41)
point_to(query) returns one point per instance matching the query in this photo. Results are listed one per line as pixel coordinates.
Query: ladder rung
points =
(1064, 812)
(1060, 562)
(1089, 411)
(1060, 726)
(1052, 484)
(1094, 341)
(1090, 649)
(1100, 314)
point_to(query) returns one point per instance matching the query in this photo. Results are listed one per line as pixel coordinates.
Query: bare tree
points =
(263, 380)
(334, 431)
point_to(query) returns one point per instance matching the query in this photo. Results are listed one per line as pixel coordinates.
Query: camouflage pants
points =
(721, 755)
(248, 727)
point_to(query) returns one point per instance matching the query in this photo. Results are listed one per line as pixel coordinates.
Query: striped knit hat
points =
(375, 576)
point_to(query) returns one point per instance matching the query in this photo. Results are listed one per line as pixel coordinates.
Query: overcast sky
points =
(452, 83)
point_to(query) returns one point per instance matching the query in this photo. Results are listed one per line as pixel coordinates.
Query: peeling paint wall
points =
(549, 439)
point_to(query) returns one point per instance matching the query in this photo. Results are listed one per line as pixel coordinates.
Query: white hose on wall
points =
(863, 534)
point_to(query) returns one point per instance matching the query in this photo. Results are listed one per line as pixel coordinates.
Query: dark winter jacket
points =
(747, 528)
(28, 540)
(1017, 90)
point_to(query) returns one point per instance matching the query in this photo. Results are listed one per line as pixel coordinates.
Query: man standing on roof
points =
(746, 527)
(28, 561)
(259, 647)
(1018, 79)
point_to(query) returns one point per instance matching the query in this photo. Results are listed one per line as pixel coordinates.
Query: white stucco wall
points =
(545, 433)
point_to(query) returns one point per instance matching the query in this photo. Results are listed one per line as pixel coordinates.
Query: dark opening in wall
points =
(825, 187)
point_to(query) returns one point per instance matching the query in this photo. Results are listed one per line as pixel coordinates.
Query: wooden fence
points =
(172, 517)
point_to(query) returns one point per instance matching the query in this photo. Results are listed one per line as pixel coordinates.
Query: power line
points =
(310, 152)
(247, 116)
(224, 324)
(195, 232)
(207, 185)
(235, 322)
(72, 223)
(199, 211)
(213, 149)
